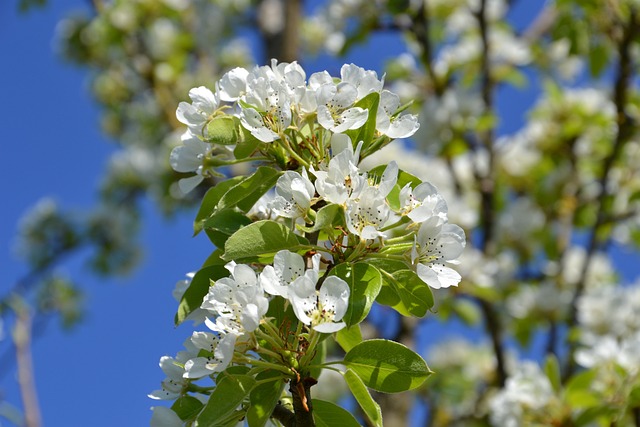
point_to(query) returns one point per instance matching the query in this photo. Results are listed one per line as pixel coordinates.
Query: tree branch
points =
(285, 416)
(625, 128)
(22, 340)
(486, 183)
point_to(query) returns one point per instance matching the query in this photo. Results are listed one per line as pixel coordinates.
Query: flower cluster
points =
(310, 238)
(237, 305)
(278, 103)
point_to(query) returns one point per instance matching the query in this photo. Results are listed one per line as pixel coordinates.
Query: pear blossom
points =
(220, 348)
(422, 202)
(291, 76)
(294, 192)
(233, 84)
(367, 214)
(528, 390)
(342, 177)
(365, 81)
(239, 297)
(287, 268)
(174, 385)
(437, 244)
(335, 107)
(367, 210)
(323, 310)
(189, 157)
(402, 126)
(270, 111)
(196, 115)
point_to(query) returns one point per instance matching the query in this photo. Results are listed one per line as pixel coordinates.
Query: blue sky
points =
(100, 373)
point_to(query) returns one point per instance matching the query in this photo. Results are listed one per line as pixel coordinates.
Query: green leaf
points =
(367, 131)
(578, 391)
(210, 200)
(264, 397)
(467, 311)
(247, 145)
(223, 130)
(365, 282)
(187, 407)
(260, 239)
(327, 414)
(229, 393)
(387, 366)
(598, 58)
(406, 293)
(222, 224)
(348, 338)
(602, 414)
(199, 286)
(283, 316)
(552, 369)
(326, 219)
(247, 192)
(369, 406)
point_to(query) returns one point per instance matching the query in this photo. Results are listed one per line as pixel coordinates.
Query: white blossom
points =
(335, 107)
(527, 390)
(233, 84)
(189, 157)
(422, 202)
(174, 385)
(322, 310)
(294, 192)
(196, 115)
(288, 267)
(401, 126)
(436, 245)
(270, 111)
(342, 178)
(220, 347)
(239, 298)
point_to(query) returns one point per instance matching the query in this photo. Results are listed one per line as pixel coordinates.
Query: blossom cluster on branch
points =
(306, 244)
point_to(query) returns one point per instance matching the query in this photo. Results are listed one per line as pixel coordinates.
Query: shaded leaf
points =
(262, 238)
(387, 366)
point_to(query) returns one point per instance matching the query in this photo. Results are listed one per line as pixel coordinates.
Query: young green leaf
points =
(387, 366)
(369, 406)
(223, 130)
(229, 393)
(552, 369)
(264, 397)
(222, 224)
(247, 145)
(406, 293)
(210, 201)
(187, 407)
(364, 282)
(367, 131)
(349, 337)
(327, 218)
(261, 239)
(327, 414)
(246, 193)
